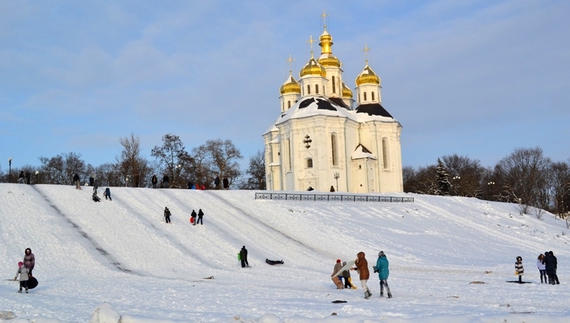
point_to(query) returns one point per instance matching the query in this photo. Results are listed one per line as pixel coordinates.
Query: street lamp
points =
(336, 176)
(455, 179)
(9, 169)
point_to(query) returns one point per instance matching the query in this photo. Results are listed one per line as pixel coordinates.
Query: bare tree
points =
(131, 164)
(560, 188)
(465, 175)
(256, 173)
(173, 158)
(215, 158)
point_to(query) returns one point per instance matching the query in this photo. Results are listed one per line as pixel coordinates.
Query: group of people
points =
(547, 265)
(195, 218)
(25, 268)
(361, 266)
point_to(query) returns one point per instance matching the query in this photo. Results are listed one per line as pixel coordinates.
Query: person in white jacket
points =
(24, 277)
(542, 269)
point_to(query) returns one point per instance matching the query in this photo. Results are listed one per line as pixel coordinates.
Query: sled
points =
(274, 262)
(345, 267)
(337, 282)
(191, 220)
(32, 283)
(339, 301)
(516, 281)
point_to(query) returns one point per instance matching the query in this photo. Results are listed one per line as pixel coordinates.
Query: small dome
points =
(329, 60)
(290, 86)
(346, 92)
(313, 68)
(367, 76)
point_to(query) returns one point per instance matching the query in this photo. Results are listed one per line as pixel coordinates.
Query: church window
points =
(385, 156)
(334, 153)
(317, 88)
(288, 147)
(309, 163)
(333, 85)
(308, 89)
(372, 94)
(288, 104)
(364, 96)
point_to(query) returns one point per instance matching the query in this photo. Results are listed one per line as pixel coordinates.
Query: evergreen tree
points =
(442, 178)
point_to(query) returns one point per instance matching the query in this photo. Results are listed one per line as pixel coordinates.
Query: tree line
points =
(525, 177)
(200, 166)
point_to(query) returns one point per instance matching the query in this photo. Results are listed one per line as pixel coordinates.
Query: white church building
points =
(326, 138)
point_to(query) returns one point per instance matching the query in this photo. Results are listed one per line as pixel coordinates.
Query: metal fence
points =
(331, 197)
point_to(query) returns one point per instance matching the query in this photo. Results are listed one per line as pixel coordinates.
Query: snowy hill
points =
(122, 253)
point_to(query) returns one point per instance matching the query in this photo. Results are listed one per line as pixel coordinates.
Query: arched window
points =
(333, 85)
(385, 156)
(372, 94)
(317, 88)
(288, 147)
(334, 153)
(308, 89)
(364, 96)
(309, 163)
(288, 104)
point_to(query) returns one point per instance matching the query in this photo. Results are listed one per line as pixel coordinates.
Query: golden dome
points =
(329, 60)
(346, 92)
(326, 43)
(313, 68)
(367, 76)
(290, 86)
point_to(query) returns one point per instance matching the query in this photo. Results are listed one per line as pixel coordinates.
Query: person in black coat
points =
(217, 182)
(243, 257)
(154, 180)
(200, 215)
(550, 264)
(226, 183)
(76, 181)
(167, 214)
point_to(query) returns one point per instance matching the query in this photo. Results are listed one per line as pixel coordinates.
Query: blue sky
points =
(473, 78)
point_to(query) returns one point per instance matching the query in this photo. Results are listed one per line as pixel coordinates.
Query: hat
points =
(381, 253)
(338, 260)
(20, 264)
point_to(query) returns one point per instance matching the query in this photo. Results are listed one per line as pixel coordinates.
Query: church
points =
(328, 139)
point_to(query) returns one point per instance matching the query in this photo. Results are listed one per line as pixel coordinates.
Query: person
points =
(165, 181)
(337, 267)
(21, 177)
(200, 215)
(519, 269)
(332, 189)
(217, 182)
(154, 180)
(541, 268)
(549, 266)
(137, 180)
(243, 257)
(95, 197)
(193, 215)
(29, 260)
(346, 277)
(76, 179)
(167, 214)
(91, 179)
(226, 183)
(28, 176)
(383, 271)
(107, 194)
(362, 269)
(24, 274)
(553, 269)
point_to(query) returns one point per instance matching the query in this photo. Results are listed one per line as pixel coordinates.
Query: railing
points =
(331, 197)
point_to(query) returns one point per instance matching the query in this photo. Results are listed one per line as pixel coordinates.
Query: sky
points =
(474, 78)
(121, 255)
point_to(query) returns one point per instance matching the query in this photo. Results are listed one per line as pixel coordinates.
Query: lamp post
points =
(455, 185)
(336, 176)
(9, 169)
(490, 190)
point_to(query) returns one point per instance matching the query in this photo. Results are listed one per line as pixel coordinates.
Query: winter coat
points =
(154, 180)
(362, 266)
(540, 264)
(167, 213)
(29, 259)
(337, 268)
(519, 268)
(75, 178)
(24, 273)
(550, 263)
(382, 267)
(200, 214)
(243, 254)
(193, 214)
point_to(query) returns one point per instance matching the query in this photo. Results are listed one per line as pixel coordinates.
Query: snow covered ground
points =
(122, 258)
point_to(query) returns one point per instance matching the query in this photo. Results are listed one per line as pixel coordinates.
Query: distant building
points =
(320, 141)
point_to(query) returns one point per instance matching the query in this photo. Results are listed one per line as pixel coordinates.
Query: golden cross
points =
(366, 50)
(311, 41)
(290, 60)
(324, 16)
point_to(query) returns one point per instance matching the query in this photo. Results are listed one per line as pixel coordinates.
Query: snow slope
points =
(122, 253)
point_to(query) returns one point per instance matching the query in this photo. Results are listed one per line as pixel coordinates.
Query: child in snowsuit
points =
(167, 214)
(346, 277)
(95, 197)
(382, 269)
(24, 276)
(107, 194)
(519, 268)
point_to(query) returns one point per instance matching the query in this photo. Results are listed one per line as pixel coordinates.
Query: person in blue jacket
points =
(382, 269)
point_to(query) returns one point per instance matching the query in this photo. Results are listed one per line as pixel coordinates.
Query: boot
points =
(389, 295)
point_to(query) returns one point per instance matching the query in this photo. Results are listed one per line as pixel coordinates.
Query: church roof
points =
(373, 109)
(362, 152)
(316, 105)
(340, 102)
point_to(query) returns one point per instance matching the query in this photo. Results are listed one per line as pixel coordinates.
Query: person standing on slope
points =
(362, 269)
(23, 272)
(519, 269)
(541, 269)
(76, 181)
(193, 215)
(154, 180)
(29, 260)
(337, 267)
(167, 214)
(382, 269)
(243, 257)
(200, 215)
(346, 276)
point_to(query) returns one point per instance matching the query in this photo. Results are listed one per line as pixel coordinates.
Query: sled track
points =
(97, 247)
(178, 244)
(320, 252)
